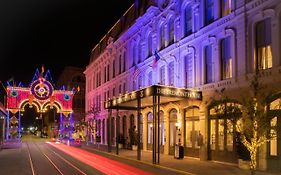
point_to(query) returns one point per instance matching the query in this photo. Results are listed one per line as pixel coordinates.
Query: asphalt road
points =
(39, 157)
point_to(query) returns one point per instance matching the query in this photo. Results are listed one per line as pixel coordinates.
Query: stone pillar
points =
(145, 130)
(181, 126)
(167, 132)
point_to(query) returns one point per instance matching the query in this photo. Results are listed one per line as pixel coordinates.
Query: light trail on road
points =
(98, 162)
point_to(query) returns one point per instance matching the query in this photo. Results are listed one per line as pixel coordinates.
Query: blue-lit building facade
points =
(204, 45)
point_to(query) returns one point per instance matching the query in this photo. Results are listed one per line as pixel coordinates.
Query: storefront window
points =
(273, 141)
(229, 139)
(221, 134)
(173, 120)
(188, 134)
(213, 134)
(149, 128)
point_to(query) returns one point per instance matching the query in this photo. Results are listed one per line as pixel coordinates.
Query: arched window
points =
(209, 11)
(173, 129)
(263, 45)
(124, 61)
(139, 52)
(192, 127)
(149, 45)
(209, 67)
(149, 128)
(135, 55)
(171, 31)
(162, 37)
(226, 60)
(188, 21)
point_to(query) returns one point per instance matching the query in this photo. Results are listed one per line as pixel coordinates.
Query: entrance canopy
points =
(168, 94)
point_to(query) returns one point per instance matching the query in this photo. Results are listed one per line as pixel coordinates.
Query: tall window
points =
(188, 21)
(209, 67)
(113, 68)
(188, 70)
(139, 52)
(135, 55)
(226, 7)
(171, 73)
(108, 72)
(124, 61)
(120, 64)
(263, 45)
(162, 37)
(150, 78)
(209, 11)
(105, 74)
(171, 31)
(226, 60)
(162, 75)
(149, 46)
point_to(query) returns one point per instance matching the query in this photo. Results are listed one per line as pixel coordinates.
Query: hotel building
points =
(204, 46)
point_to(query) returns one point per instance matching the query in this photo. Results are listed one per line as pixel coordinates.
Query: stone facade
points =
(204, 45)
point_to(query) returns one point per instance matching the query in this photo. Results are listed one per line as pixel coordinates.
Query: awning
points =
(168, 94)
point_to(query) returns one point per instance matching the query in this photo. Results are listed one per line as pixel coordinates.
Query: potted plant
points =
(133, 138)
(121, 141)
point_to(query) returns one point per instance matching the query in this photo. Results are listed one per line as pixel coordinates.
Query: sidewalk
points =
(187, 165)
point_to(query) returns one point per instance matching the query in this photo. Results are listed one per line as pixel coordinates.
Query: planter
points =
(244, 164)
(134, 147)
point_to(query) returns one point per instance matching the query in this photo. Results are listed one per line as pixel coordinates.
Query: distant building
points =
(73, 77)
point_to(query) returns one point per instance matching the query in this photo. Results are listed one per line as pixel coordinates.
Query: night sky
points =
(55, 33)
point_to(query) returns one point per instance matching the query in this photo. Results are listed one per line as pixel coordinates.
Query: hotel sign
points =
(154, 91)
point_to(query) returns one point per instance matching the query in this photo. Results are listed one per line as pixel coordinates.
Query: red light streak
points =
(100, 163)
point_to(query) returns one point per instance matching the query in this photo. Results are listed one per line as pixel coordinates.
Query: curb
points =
(143, 162)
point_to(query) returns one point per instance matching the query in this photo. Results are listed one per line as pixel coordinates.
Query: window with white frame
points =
(226, 60)
(188, 20)
(209, 11)
(149, 79)
(113, 69)
(171, 31)
(209, 67)
(120, 64)
(162, 37)
(226, 7)
(149, 45)
(139, 52)
(188, 69)
(171, 73)
(263, 45)
(162, 75)
(124, 61)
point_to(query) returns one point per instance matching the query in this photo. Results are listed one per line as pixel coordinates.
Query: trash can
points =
(179, 152)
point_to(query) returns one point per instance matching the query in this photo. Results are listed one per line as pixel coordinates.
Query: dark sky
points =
(52, 32)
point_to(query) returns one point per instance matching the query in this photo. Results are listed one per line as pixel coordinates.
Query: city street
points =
(39, 156)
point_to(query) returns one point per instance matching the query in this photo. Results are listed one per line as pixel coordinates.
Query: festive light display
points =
(42, 95)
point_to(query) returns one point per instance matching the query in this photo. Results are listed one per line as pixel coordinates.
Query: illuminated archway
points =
(42, 95)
